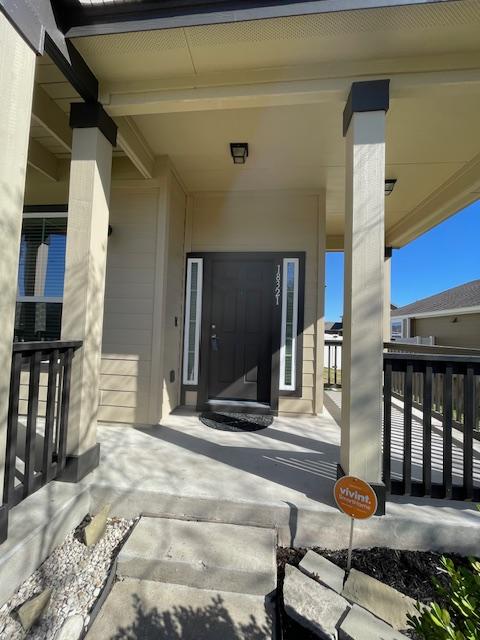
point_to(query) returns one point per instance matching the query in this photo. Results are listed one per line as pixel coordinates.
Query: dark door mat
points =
(230, 421)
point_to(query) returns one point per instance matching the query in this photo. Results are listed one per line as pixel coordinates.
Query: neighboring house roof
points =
(465, 295)
(333, 327)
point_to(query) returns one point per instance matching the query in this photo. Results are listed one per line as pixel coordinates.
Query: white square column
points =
(320, 324)
(94, 135)
(363, 320)
(17, 69)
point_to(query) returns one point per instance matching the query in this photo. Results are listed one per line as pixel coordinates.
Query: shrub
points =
(458, 615)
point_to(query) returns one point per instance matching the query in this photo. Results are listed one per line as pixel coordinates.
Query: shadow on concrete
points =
(312, 473)
(188, 623)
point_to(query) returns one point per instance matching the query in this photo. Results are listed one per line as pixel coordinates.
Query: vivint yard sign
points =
(357, 499)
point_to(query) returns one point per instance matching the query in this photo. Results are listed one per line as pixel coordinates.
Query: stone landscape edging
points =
(356, 612)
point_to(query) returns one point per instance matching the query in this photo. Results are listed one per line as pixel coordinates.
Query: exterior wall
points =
(129, 298)
(216, 222)
(127, 347)
(464, 332)
(266, 222)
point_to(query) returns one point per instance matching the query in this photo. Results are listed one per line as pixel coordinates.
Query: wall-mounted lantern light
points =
(239, 151)
(389, 186)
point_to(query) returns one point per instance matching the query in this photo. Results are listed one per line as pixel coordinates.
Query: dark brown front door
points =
(240, 329)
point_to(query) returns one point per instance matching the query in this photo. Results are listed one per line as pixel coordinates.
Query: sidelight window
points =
(288, 346)
(193, 313)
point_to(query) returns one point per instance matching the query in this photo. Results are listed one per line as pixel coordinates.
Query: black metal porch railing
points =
(39, 388)
(332, 374)
(434, 449)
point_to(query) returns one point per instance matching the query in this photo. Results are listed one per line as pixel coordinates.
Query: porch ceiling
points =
(281, 84)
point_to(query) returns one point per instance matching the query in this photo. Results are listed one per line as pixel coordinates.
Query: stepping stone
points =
(152, 610)
(315, 565)
(313, 605)
(383, 601)
(207, 555)
(29, 612)
(360, 624)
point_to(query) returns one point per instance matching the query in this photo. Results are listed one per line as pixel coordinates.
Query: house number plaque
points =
(278, 278)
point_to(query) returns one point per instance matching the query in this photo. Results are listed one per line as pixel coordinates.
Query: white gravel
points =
(76, 574)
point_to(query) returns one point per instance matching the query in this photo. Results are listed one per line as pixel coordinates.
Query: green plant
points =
(458, 618)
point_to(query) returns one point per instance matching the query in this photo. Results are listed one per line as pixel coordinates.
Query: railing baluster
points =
(47, 467)
(387, 426)
(407, 430)
(39, 465)
(328, 364)
(64, 409)
(335, 364)
(12, 429)
(427, 430)
(468, 427)
(32, 415)
(447, 431)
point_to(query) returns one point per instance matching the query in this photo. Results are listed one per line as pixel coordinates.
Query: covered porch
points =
(129, 139)
(281, 477)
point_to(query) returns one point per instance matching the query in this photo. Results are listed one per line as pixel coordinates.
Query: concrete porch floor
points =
(281, 477)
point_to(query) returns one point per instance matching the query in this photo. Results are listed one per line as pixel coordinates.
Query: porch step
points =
(205, 555)
(152, 610)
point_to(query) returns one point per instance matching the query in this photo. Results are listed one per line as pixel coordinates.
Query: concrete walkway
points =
(282, 476)
(192, 581)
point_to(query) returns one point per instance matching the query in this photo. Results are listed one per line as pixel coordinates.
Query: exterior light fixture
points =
(389, 186)
(239, 151)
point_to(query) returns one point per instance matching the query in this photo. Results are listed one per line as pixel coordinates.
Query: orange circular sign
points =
(355, 497)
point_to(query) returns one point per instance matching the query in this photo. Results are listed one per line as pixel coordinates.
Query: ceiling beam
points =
(134, 145)
(43, 160)
(460, 190)
(50, 116)
(120, 102)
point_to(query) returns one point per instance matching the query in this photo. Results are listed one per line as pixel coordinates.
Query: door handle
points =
(214, 342)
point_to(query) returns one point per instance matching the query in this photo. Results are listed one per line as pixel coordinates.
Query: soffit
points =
(298, 40)
(301, 147)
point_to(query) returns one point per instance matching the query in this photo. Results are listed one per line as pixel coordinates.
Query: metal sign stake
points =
(350, 546)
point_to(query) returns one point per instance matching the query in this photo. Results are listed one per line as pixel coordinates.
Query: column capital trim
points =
(371, 95)
(88, 115)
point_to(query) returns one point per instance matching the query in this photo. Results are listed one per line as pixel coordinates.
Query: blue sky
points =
(445, 257)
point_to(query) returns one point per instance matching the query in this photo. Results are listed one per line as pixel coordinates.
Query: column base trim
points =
(378, 487)
(77, 467)
(3, 523)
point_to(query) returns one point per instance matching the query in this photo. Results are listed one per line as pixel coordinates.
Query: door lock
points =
(214, 341)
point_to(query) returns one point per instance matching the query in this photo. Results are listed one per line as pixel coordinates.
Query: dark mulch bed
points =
(410, 572)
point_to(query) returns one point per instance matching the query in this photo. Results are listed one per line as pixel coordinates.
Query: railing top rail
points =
(426, 357)
(45, 346)
(408, 348)
(332, 342)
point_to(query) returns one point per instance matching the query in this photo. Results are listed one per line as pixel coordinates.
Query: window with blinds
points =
(40, 277)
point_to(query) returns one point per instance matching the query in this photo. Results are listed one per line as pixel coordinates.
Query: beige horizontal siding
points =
(129, 294)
